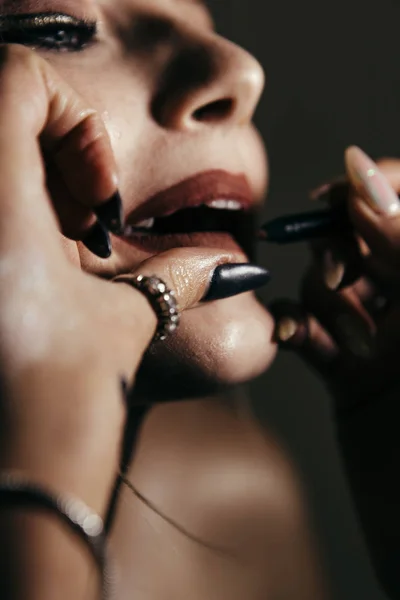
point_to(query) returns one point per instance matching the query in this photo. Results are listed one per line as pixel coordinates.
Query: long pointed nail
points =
(111, 214)
(98, 241)
(233, 279)
(375, 188)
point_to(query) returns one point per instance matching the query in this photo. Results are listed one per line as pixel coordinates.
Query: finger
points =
(339, 260)
(341, 265)
(203, 275)
(339, 255)
(343, 316)
(345, 374)
(346, 258)
(374, 207)
(74, 218)
(77, 222)
(39, 111)
(335, 192)
(84, 161)
(297, 330)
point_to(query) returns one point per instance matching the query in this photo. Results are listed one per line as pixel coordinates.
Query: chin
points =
(218, 345)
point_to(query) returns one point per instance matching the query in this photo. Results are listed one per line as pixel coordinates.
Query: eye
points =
(48, 31)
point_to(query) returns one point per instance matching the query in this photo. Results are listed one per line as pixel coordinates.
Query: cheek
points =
(122, 104)
(116, 125)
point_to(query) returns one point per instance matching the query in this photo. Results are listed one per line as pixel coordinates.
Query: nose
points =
(212, 82)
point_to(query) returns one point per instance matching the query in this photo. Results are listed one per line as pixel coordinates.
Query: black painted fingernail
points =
(233, 279)
(111, 214)
(98, 241)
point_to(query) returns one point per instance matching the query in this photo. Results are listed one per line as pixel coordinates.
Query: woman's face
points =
(177, 100)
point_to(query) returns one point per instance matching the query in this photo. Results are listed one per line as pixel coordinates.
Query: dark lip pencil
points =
(305, 226)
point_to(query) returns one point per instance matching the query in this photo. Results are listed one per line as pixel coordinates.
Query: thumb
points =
(374, 205)
(204, 274)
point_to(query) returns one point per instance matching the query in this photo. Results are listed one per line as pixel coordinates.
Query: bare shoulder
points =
(213, 498)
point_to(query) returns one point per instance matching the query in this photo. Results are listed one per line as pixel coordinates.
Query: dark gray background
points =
(333, 79)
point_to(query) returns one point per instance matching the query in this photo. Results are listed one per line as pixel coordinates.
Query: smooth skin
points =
(220, 512)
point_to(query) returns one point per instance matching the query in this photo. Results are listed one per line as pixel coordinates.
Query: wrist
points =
(64, 427)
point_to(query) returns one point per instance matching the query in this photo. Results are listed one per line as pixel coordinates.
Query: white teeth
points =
(133, 229)
(147, 224)
(225, 204)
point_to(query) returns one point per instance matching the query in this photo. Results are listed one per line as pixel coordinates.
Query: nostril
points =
(214, 111)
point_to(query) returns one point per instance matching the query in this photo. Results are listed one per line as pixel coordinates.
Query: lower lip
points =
(160, 243)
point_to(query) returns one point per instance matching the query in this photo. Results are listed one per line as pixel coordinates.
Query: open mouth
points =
(212, 209)
(174, 229)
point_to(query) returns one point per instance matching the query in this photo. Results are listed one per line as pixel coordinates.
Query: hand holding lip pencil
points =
(339, 318)
(305, 226)
(311, 225)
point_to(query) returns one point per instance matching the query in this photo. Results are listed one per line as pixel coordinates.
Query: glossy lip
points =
(195, 191)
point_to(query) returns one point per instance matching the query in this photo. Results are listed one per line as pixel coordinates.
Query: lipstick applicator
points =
(305, 226)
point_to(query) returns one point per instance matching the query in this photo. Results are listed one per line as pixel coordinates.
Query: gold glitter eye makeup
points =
(48, 31)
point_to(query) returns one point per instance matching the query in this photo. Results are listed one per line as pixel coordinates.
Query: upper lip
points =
(195, 191)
